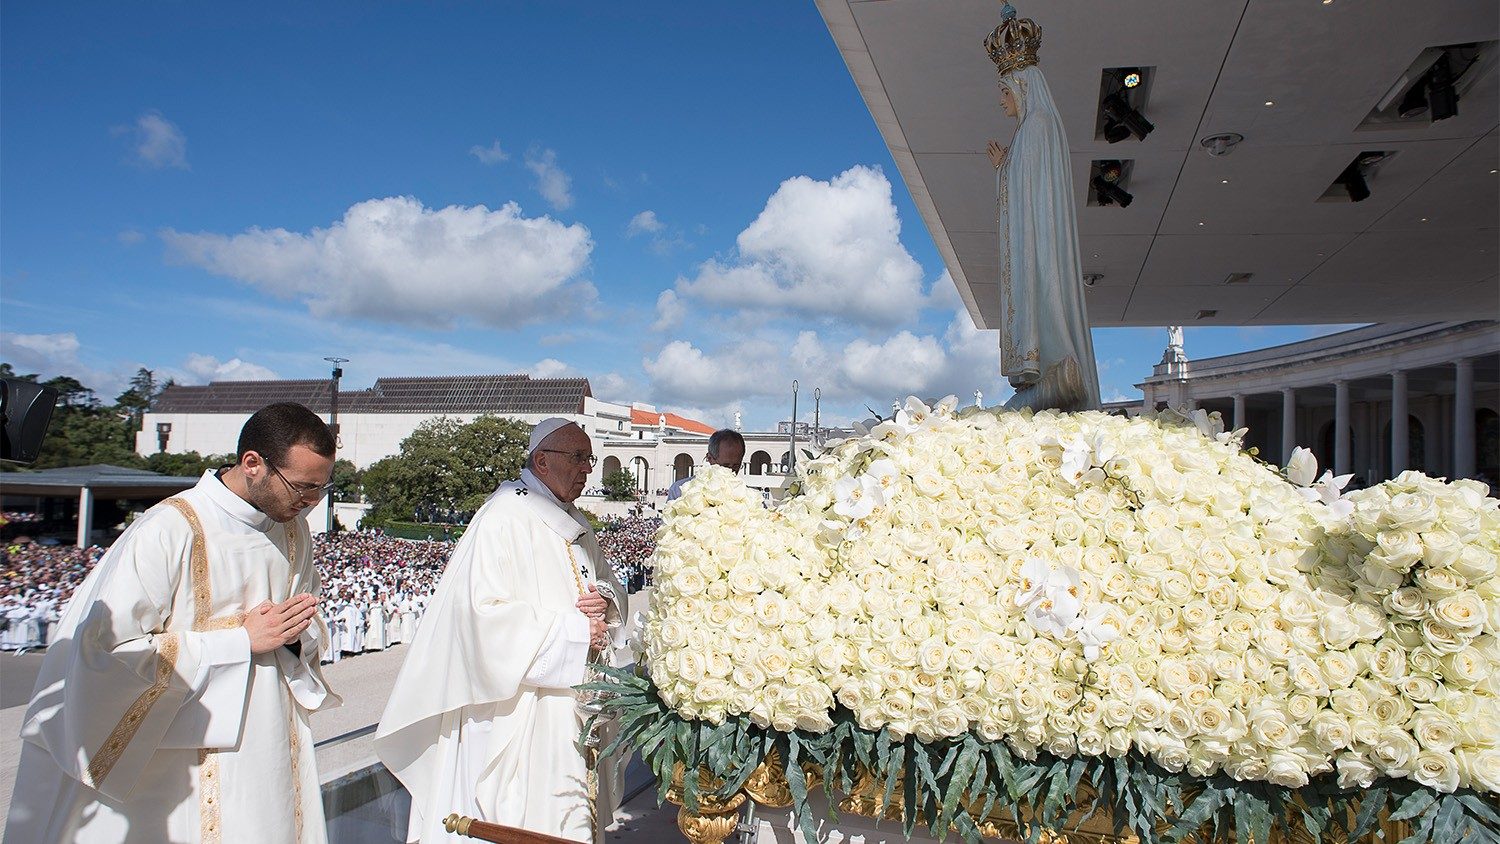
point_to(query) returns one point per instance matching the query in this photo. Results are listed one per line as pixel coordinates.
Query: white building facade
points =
(1371, 402)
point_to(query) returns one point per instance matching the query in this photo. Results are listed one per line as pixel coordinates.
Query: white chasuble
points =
(151, 721)
(483, 720)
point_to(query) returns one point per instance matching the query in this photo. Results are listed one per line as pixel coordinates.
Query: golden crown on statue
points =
(1015, 42)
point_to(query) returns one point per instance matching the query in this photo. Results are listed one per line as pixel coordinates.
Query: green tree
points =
(72, 393)
(446, 465)
(346, 480)
(137, 398)
(619, 485)
(7, 371)
(186, 464)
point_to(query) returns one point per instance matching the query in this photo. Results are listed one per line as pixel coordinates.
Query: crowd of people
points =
(375, 587)
(627, 544)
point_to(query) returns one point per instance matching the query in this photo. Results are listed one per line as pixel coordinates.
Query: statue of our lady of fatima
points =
(1045, 347)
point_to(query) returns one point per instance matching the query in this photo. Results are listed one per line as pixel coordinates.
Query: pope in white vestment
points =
(170, 707)
(483, 720)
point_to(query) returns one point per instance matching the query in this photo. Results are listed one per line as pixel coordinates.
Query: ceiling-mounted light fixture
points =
(1441, 92)
(1353, 180)
(1130, 77)
(1117, 110)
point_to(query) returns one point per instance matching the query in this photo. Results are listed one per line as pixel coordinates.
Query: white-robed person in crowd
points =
(375, 624)
(726, 447)
(173, 706)
(483, 720)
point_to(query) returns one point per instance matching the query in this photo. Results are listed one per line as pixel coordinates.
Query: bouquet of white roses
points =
(1087, 586)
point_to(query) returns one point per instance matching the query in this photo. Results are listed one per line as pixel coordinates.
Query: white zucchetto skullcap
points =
(544, 429)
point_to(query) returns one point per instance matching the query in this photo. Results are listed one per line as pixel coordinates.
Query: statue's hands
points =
(997, 154)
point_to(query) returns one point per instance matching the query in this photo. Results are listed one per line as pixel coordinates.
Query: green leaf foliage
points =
(955, 786)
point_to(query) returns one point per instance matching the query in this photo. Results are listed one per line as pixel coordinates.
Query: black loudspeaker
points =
(25, 409)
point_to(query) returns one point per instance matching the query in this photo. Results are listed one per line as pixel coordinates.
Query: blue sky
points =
(688, 204)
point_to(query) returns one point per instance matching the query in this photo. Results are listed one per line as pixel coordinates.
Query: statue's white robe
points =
(482, 720)
(151, 721)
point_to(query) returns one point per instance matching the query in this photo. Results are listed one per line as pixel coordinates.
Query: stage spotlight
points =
(1110, 170)
(1111, 194)
(1441, 93)
(1115, 132)
(1117, 109)
(1353, 180)
(1131, 77)
(1415, 101)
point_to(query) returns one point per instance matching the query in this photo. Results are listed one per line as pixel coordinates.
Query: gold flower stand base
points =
(716, 819)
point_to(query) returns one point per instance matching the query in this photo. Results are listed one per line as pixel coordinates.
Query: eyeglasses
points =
(580, 456)
(317, 491)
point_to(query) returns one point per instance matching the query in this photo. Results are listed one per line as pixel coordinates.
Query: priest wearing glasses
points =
(173, 705)
(483, 720)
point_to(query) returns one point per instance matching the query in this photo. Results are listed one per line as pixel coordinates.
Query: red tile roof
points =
(682, 423)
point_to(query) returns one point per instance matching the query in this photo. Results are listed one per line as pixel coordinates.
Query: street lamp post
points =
(333, 421)
(791, 454)
(817, 431)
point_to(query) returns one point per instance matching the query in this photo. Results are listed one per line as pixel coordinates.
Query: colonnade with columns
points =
(1360, 411)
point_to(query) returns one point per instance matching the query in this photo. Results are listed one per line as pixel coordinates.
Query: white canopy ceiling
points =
(1422, 247)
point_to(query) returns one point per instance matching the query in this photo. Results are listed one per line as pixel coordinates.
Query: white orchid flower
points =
(1209, 424)
(1093, 633)
(1329, 489)
(855, 498)
(914, 415)
(1055, 612)
(891, 429)
(1050, 596)
(1104, 448)
(1302, 467)
(945, 406)
(1237, 435)
(1076, 460)
(885, 474)
(1034, 576)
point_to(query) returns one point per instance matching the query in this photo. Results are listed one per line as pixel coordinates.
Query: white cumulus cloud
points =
(396, 260)
(491, 154)
(822, 248)
(670, 311)
(552, 182)
(852, 373)
(550, 368)
(155, 142)
(681, 373)
(643, 223)
(210, 368)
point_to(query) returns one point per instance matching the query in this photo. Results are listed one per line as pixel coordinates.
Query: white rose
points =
(1355, 772)
(1331, 731)
(1406, 602)
(1464, 613)
(1439, 583)
(1412, 511)
(1287, 769)
(1477, 564)
(1395, 751)
(1481, 768)
(1339, 668)
(1442, 638)
(1434, 730)
(1436, 769)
